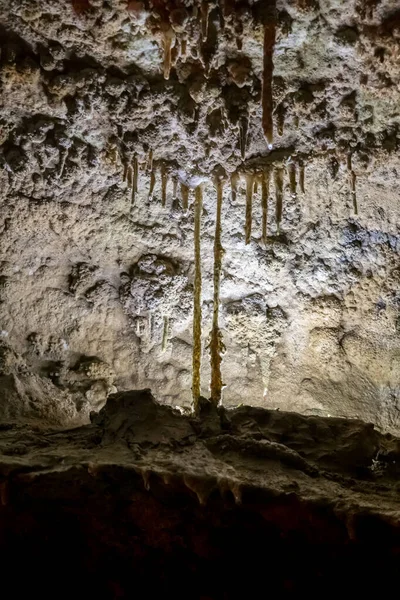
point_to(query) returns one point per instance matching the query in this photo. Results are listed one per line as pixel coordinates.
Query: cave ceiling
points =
(200, 197)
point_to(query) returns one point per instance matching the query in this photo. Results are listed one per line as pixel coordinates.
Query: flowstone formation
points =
(200, 198)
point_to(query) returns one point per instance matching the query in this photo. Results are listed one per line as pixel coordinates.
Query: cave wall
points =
(102, 148)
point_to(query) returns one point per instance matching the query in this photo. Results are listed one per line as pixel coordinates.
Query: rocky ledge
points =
(227, 504)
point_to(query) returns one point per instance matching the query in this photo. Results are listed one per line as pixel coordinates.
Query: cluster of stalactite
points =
(180, 26)
(183, 30)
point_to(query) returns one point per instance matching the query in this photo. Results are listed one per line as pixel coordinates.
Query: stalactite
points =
(216, 344)
(249, 205)
(165, 333)
(197, 316)
(267, 99)
(266, 176)
(280, 119)
(152, 184)
(185, 196)
(168, 42)
(302, 178)
(352, 181)
(234, 186)
(175, 189)
(243, 128)
(129, 177)
(126, 169)
(205, 12)
(278, 175)
(292, 179)
(164, 183)
(149, 166)
(255, 184)
(135, 178)
(64, 157)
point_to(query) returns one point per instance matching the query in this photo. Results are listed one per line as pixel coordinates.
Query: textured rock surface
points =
(96, 292)
(145, 500)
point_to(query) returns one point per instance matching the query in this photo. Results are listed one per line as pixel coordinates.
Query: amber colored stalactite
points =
(292, 178)
(205, 12)
(279, 196)
(168, 41)
(249, 205)
(265, 181)
(185, 196)
(302, 178)
(267, 99)
(152, 183)
(234, 186)
(164, 182)
(216, 344)
(197, 313)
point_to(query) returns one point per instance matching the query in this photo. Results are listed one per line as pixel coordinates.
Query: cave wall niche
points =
(277, 124)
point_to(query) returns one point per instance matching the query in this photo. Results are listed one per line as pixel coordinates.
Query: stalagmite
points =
(165, 333)
(164, 182)
(267, 99)
(292, 179)
(216, 344)
(205, 11)
(278, 175)
(352, 181)
(185, 196)
(249, 205)
(234, 186)
(302, 178)
(266, 176)
(198, 209)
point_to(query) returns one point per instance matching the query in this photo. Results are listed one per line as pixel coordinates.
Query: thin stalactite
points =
(165, 333)
(205, 12)
(352, 182)
(185, 196)
(265, 182)
(249, 205)
(135, 179)
(234, 186)
(268, 69)
(278, 175)
(164, 183)
(216, 344)
(292, 179)
(197, 312)
(302, 178)
(168, 41)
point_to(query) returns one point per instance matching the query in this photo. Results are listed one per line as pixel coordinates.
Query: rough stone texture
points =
(145, 501)
(87, 281)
